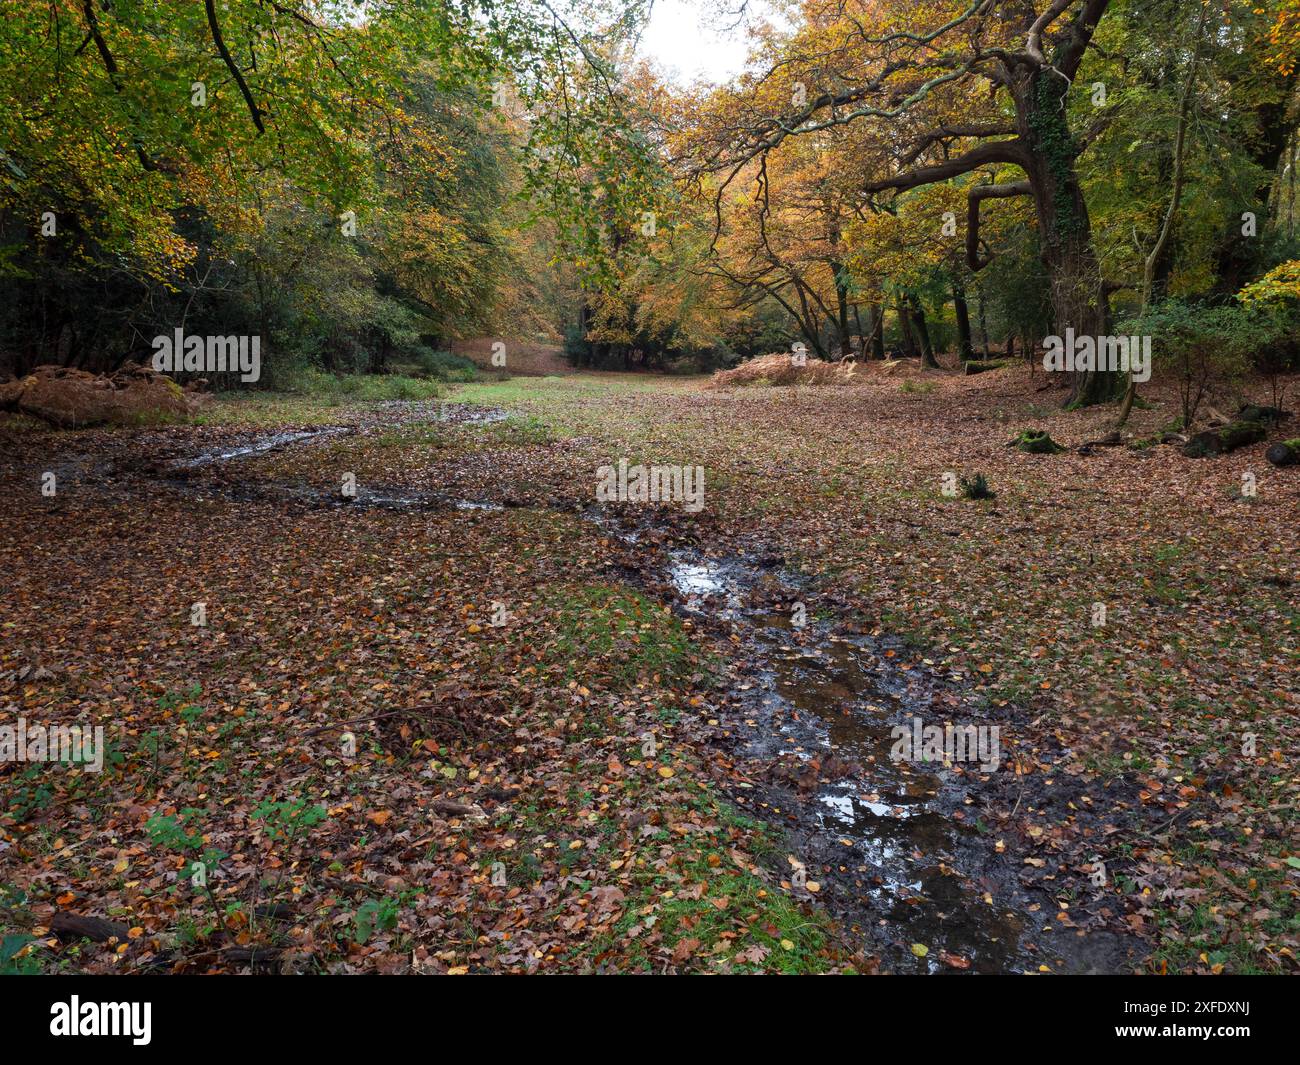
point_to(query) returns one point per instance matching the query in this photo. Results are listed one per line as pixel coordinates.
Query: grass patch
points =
(619, 637)
(718, 915)
(525, 431)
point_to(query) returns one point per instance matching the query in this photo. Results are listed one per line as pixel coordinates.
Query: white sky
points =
(683, 38)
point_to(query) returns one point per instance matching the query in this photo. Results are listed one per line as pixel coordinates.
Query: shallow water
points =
(897, 844)
(260, 445)
(367, 497)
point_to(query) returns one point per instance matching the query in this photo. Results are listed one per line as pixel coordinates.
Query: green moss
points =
(1036, 442)
(1229, 438)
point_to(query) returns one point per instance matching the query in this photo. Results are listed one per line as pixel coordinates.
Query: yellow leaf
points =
(920, 950)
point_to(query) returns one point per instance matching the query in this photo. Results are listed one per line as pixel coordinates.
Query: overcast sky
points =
(683, 36)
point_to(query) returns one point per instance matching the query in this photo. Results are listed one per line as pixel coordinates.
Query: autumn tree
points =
(954, 88)
(157, 159)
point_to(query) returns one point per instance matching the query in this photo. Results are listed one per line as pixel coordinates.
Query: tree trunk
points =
(1078, 296)
(1237, 254)
(923, 332)
(842, 308)
(905, 327)
(878, 331)
(984, 324)
(965, 349)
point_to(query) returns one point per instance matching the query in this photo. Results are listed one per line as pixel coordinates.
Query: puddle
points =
(396, 412)
(705, 584)
(401, 411)
(263, 444)
(302, 495)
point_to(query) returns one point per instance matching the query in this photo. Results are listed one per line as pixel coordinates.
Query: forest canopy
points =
(364, 184)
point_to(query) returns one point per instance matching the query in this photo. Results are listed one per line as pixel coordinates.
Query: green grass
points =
(516, 390)
(364, 388)
(683, 886)
(620, 635)
(314, 398)
(525, 431)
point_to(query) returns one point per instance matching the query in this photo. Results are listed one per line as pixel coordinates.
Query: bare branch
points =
(947, 132)
(1034, 43)
(974, 197)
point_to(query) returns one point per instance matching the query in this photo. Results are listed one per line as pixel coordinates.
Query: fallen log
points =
(978, 366)
(1213, 442)
(1112, 439)
(455, 809)
(74, 926)
(1253, 412)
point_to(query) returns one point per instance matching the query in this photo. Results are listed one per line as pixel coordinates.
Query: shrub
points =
(976, 487)
(1205, 347)
(444, 365)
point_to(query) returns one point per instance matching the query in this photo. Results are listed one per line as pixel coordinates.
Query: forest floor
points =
(471, 721)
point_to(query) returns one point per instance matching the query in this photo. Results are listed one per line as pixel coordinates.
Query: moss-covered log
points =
(979, 366)
(1220, 441)
(1268, 415)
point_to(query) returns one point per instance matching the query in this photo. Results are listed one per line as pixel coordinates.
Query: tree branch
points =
(1070, 53)
(253, 109)
(1010, 151)
(1034, 42)
(973, 199)
(110, 64)
(945, 132)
